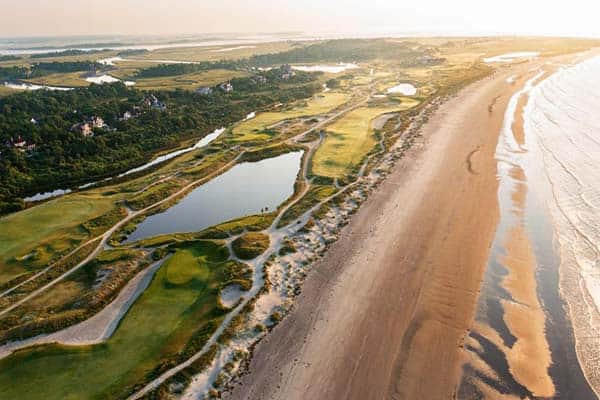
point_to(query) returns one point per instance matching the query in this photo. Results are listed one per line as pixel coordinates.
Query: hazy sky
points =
(67, 17)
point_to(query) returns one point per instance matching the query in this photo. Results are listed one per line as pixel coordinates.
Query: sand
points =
(387, 308)
(525, 318)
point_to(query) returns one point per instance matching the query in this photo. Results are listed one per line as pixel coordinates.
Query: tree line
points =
(64, 158)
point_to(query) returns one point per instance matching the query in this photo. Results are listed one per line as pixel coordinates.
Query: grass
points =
(348, 140)
(210, 54)
(5, 91)
(152, 195)
(71, 79)
(316, 194)
(189, 81)
(46, 230)
(258, 127)
(180, 300)
(250, 245)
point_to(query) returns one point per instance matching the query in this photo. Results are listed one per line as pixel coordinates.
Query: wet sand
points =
(385, 312)
(522, 341)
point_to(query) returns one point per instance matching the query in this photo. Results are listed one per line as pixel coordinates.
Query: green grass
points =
(348, 141)
(5, 91)
(203, 53)
(257, 128)
(189, 81)
(250, 245)
(181, 298)
(316, 194)
(49, 228)
(71, 79)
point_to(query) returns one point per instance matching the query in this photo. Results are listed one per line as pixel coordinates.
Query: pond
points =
(99, 80)
(245, 189)
(405, 89)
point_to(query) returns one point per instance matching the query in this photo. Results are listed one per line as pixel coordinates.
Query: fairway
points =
(180, 300)
(348, 140)
(49, 227)
(71, 79)
(254, 129)
(189, 81)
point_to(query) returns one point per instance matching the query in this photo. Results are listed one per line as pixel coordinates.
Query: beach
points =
(389, 305)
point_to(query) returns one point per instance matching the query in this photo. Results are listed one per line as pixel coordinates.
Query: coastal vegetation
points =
(341, 132)
(250, 245)
(178, 306)
(260, 128)
(58, 155)
(348, 141)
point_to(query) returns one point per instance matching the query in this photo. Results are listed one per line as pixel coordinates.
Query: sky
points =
(372, 17)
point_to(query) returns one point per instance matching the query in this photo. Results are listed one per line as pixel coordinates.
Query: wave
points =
(562, 119)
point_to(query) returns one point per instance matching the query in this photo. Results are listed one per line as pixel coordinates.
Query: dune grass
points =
(250, 245)
(30, 238)
(258, 127)
(180, 300)
(348, 140)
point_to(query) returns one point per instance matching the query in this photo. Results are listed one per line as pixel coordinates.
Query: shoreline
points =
(522, 342)
(393, 300)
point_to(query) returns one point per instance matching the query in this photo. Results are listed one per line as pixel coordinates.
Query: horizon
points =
(383, 17)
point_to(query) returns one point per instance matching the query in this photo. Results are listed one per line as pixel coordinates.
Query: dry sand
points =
(384, 313)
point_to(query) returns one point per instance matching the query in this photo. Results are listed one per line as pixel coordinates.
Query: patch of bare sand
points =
(529, 358)
(387, 308)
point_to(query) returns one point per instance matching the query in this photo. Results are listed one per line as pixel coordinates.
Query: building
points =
(84, 128)
(226, 87)
(126, 116)
(260, 79)
(205, 90)
(286, 72)
(153, 102)
(21, 145)
(97, 122)
(286, 69)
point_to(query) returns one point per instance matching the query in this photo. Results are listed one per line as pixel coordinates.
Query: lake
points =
(243, 190)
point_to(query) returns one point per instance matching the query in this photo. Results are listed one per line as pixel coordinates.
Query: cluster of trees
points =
(132, 52)
(65, 53)
(347, 50)
(182, 69)
(65, 158)
(46, 68)
(9, 58)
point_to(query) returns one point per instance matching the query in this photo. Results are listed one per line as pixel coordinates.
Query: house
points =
(33, 121)
(97, 122)
(260, 79)
(205, 90)
(153, 102)
(286, 72)
(21, 145)
(84, 128)
(126, 116)
(286, 69)
(226, 87)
